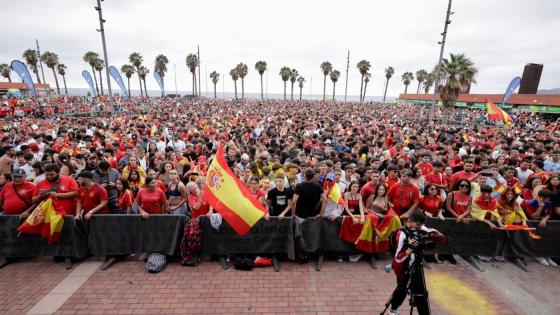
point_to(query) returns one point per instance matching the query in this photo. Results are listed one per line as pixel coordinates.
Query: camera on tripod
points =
(423, 240)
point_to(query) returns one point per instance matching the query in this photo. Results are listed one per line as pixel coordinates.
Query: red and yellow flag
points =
(230, 197)
(496, 113)
(335, 194)
(44, 220)
(373, 235)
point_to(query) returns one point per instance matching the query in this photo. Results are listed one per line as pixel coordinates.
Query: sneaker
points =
(388, 268)
(485, 258)
(551, 262)
(143, 257)
(393, 312)
(542, 261)
(340, 259)
(500, 258)
(355, 258)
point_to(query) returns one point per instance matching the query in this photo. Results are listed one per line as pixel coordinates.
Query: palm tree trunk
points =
(405, 88)
(292, 92)
(139, 81)
(285, 91)
(324, 87)
(361, 88)
(101, 81)
(95, 79)
(235, 86)
(193, 90)
(365, 88)
(418, 89)
(300, 93)
(64, 80)
(9, 79)
(145, 89)
(262, 95)
(56, 81)
(385, 93)
(242, 88)
(215, 91)
(162, 87)
(128, 79)
(333, 90)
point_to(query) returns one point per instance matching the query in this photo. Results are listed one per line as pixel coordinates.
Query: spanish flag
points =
(373, 235)
(229, 196)
(44, 220)
(496, 113)
(481, 209)
(518, 188)
(335, 194)
(499, 188)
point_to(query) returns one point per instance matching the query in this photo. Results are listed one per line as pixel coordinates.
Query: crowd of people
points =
(152, 156)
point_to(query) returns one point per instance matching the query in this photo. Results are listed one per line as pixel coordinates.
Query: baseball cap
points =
(19, 172)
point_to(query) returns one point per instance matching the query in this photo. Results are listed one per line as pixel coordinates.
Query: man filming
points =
(410, 241)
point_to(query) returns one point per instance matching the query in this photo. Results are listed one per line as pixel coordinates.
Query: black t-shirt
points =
(309, 196)
(279, 200)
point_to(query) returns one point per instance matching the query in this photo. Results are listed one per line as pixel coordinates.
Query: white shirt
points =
(334, 209)
(523, 175)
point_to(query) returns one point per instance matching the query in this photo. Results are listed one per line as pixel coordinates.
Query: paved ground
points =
(339, 288)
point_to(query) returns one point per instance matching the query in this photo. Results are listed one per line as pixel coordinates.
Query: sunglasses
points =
(464, 186)
(432, 188)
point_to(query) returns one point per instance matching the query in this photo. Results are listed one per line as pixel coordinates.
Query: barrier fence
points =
(106, 235)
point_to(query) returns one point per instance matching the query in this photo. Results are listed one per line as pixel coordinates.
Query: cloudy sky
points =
(500, 36)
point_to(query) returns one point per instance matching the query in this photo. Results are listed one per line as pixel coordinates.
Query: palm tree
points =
(293, 77)
(51, 60)
(326, 67)
(136, 60)
(90, 57)
(335, 74)
(363, 66)
(161, 68)
(31, 58)
(428, 82)
(389, 71)
(458, 73)
(99, 66)
(5, 71)
(366, 81)
(260, 66)
(128, 71)
(192, 64)
(142, 73)
(406, 78)
(242, 70)
(215, 76)
(62, 71)
(421, 75)
(285, 74)
(234, 77)
(300, 81)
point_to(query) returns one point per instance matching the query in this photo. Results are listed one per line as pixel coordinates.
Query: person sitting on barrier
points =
(176, 194)
(404, 196)
(125, 196)
(16, 196)
(150, 200)
(62, 189)
(92, 198)
(459, 201)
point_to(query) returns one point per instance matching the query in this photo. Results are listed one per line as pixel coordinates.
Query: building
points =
(540, 103)
(42, 89)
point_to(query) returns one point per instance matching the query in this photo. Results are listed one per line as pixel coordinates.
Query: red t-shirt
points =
(202, 210)
(426, 168)
(66, 184)
(403, 196)
(151, 201)
(367, 191)
(12, 203)
(438, 179)
(126, 200)
(462, 175)
(91, 198)
(459, 202)
(431, 205)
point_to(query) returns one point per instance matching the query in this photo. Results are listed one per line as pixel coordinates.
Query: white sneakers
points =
(551, 262)
(546, 261)
(391, 312)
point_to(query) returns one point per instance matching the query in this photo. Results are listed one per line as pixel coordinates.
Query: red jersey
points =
(462, 175)
(426, 168)
(431, 205)
(366, 191)
(459, 202)
(390, 182)
(11, 202)
(126, 199)
(92, 197)
(202, 210)
(151, 201)
(66, 184)
(403, 196)
(438, 179)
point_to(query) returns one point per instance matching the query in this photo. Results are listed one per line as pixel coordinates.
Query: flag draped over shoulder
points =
(373, 235)
(230, 197)
(480, 209)
(44, 220)
(496, 113)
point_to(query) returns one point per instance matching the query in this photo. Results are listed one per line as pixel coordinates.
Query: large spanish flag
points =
(230, 197)
(44, 220)
(496, 113)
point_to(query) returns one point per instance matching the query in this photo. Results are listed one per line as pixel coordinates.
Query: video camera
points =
(423, 240)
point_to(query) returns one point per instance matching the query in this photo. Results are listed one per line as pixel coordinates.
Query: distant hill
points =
(551, 91)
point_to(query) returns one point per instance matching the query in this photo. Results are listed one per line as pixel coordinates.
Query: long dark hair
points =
(549, 183)
(458, 183)
(376, 193)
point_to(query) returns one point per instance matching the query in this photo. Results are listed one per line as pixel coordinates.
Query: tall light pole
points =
(442, 43)
(40, 62)
(175, 72)
(102, 31)
(198, 48)
(347, 67)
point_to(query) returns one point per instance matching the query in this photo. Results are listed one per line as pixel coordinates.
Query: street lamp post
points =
(102, 31)
(442, 43)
